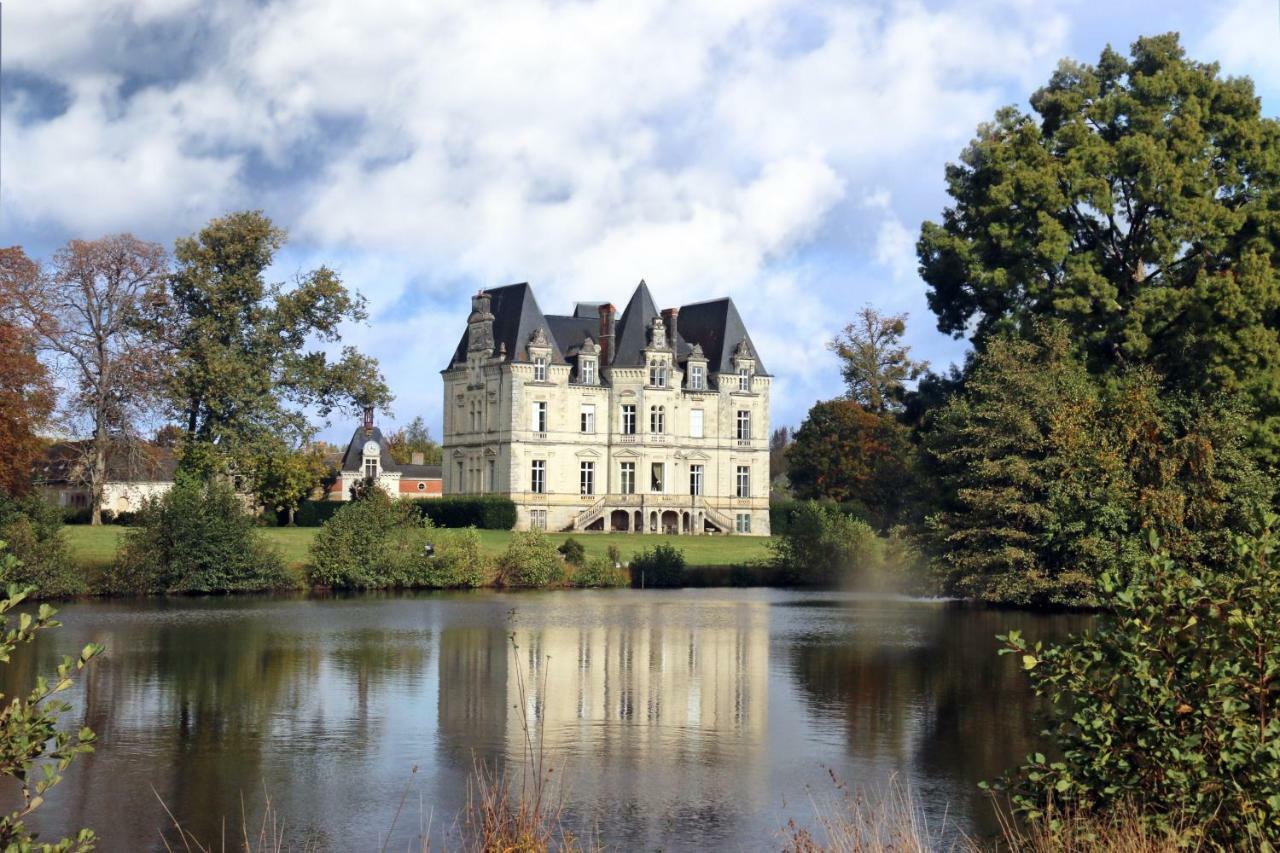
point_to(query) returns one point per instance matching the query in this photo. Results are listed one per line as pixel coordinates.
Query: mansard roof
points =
(717, 327)
(516, 316)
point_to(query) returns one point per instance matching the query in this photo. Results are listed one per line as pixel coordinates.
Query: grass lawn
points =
(95, 547)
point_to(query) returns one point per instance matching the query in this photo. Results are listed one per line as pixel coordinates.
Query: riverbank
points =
(94, 548)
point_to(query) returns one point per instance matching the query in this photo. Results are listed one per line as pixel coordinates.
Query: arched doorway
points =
(639, 525)
(620, 520)
(684, 523)
(653, 522)
(670, 522)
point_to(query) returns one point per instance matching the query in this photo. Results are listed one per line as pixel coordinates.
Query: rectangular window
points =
(697, 377)
(370, 468)
(538, 477)
(628, 478)
(629, 419)
(538, 417)
(538, 519)
(588, 371)
(744, 424)
(657, 420)
(587, 420)
(587, 478)
(744, 481)
(657, 477)
(658, 374)
(744, 380)
(695, 480)
(743, 522)
(695, 423)
(539, 369)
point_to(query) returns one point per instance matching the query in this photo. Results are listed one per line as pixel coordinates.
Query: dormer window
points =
(540, 369)
(697, 377)
(587, 372)
(371, 453)
(744, 379)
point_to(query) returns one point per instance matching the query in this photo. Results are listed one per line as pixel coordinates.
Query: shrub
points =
(29, 735)
(372, 543)
(459, 561)
(598, 572)
(530, 560)
(486, 512)
(32, 528)
(823, 546)
(574, 553)
(316, 513)
(125, 518)
(1170, 704)
(198, 537)
(659, 566)
(783, 510)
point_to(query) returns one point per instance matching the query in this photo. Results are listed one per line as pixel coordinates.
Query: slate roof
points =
(715, 325)
(515, 317)
(353, 458)
(632, 334)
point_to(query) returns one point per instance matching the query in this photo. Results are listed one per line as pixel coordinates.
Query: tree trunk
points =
(97, 473)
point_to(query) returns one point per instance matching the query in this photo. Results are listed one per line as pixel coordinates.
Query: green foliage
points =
(574, 553)
(198, 537)
(373, 543)
(1171, 702)
(283, 476)
(32, 529)
(411, 439)
(459, 561)
(1047, 477)
(30, 739)
(847, 454)
(660, 566)
(1140, 206)
(248, 359)
(316, 513)
(530, 561)
(782, 510)
(598, 572)
(487, 512)
(873, 360)
(825, 547)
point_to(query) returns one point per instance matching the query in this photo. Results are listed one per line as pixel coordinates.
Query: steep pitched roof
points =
(353, 458)
(515, 317)
(717, 327)
(632, 334)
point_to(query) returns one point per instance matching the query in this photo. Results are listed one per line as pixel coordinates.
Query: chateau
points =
(649, 422)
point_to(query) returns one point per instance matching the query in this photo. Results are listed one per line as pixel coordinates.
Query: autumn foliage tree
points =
(845, 453)
(85, 313)
(26, 393)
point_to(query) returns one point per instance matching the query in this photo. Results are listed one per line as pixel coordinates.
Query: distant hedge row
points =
(486, 512)
(781, 511)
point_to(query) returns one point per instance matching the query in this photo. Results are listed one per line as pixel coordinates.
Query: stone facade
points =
(655, 422)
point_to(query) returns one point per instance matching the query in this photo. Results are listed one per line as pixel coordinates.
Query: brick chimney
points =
(606, 332)
(669, 320)
(417, 459)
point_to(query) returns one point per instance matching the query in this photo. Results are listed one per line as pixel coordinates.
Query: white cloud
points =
(1245, 38)
(579, 146)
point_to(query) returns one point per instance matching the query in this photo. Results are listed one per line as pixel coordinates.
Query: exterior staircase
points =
(588, 516)
(716, 517)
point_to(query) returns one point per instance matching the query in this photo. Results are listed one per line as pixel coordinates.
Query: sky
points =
(781, 152)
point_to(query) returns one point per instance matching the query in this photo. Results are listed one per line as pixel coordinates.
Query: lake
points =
(685, 719)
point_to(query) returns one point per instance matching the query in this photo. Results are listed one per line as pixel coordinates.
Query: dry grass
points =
(871, 821)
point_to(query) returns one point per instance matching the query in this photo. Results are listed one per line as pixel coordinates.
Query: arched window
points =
(658, 420)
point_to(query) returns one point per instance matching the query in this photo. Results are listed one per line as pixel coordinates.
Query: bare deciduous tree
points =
(84, 310)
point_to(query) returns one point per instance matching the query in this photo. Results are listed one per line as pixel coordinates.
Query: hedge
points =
(486, 512)
(781, 510)
(316, 513)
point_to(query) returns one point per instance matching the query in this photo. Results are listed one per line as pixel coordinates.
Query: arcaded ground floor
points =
(669, 515)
